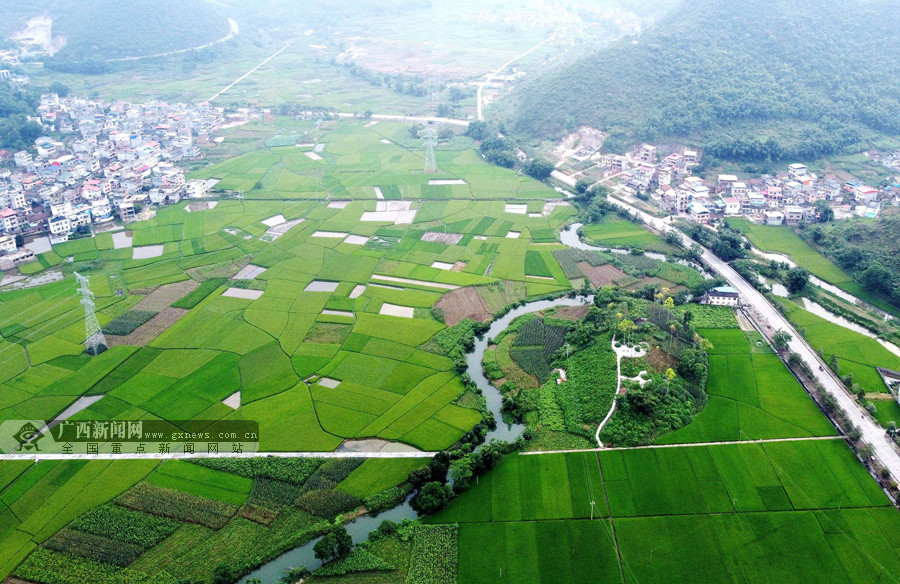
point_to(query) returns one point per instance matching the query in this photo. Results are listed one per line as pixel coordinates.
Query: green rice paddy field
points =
(857, 354)
(321, 306)
(779, 512)
(782, 239)
(330, 341)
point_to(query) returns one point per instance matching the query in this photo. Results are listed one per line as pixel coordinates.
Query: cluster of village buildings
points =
(788, 198)
(106, 161)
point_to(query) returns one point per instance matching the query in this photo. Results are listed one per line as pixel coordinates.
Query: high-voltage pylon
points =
(434, 95)
(430, 141)
(93, 336)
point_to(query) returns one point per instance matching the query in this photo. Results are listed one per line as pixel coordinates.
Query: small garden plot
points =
(177, 505)
(442, 265)
(128, 322)
(357, 291)
(463, 303)
(513, 235)
(356, 240)
(515, 209)
(313, 156)
(330, 234)
(274, 220)
(439, 182)
(233, 401)
(445, 238)
(249, 272)
(121, 240)
(243, 293)
(414, 282)
(328, 382)
(338, 204)
(274, 233)
(329, 312)
(395, 310)
(321, 286)
(147, 252)
(600, 276)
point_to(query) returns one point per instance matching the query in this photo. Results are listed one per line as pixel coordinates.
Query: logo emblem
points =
(28, 436)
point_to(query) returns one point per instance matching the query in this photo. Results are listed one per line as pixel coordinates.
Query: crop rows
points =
(126, 525)
(177, 505)
(95, 547)
(434, 555)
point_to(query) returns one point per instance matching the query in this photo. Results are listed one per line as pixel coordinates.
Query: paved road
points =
(182, 456)
(399, 118)
(233, 31)
(872, 433)
(250, 72)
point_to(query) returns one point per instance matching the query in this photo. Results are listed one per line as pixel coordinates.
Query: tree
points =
(431, 497)
(781, 340)
(538, 168)
(796, 280)
(461, 473)
(877, 278)
(824, 211)
(59, 89)
(582, 186)
(20, 240)
(457, 94)
(478, 130)
(225, 574)
(333, 544)
(625, 327)
(669, 303)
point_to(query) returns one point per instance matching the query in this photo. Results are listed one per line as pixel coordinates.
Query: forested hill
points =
(110, 29)
(749, 80)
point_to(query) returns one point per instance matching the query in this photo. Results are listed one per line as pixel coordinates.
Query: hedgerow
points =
(126, 525)
(177, 505)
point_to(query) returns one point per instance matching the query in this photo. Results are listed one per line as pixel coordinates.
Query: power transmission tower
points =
(430, 142)
(434, 95)
(93, 336)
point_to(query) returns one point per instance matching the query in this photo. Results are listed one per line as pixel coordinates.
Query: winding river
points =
(361, 527)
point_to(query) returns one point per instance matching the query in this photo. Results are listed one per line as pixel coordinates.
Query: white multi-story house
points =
(59, 225)
(9, 220)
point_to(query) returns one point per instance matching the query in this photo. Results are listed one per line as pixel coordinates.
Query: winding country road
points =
(487, 81)
(872, 432)
(233, 31)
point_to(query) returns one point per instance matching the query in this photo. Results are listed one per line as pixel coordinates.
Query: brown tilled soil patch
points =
(150, 329)
(458, 267)
(571, 312)
(601, 275)
(659, 360)
(463, 303)
(164, 296)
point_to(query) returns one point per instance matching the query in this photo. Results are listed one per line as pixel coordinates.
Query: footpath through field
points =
(686, 445)
(250, 72)
(872, 432)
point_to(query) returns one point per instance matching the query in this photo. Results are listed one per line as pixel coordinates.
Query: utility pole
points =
(93, 336)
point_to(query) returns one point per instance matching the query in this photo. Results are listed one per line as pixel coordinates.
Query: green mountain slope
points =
(111, 29)
(749, 80)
